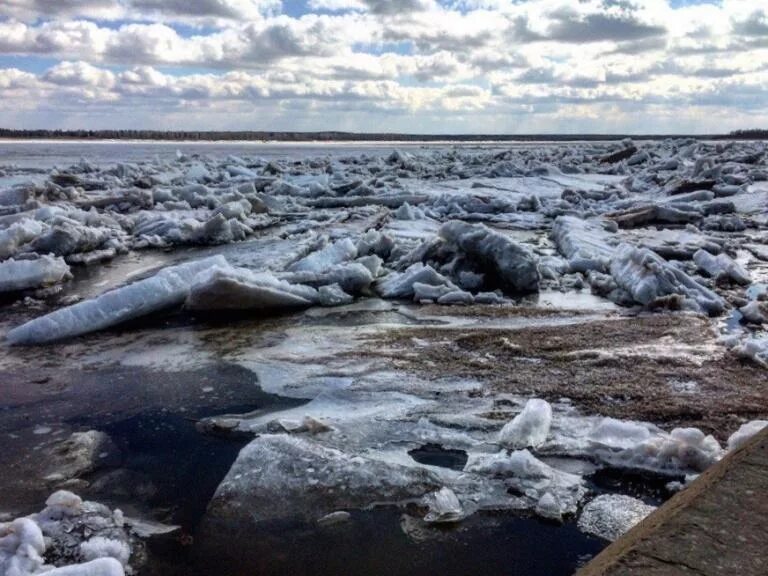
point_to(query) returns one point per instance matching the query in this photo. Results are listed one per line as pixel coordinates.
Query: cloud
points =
(419, 63)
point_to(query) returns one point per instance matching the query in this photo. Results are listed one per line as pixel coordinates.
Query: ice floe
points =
(610, 516)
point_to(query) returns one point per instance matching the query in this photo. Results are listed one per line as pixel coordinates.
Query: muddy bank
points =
(662, 368)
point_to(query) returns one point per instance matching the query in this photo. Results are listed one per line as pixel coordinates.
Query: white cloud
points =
(456, 61)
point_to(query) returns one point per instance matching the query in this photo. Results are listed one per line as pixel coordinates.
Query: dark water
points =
(374, 543)
(436, 455)
(648, 487)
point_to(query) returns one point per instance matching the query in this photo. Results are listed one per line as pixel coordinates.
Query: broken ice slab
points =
(18, 275)
(648, 277)
(228, 288)
(514, 264)
(166, 289)
(288, 477)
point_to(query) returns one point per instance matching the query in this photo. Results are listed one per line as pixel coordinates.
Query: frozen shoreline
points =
(395, 290)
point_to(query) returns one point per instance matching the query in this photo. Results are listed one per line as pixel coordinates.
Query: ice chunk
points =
(618, 434)
(18, 234)
(721, 267)
(99, 567)
(745, 433)
(532, 478)
(633, 445)
(333, 295)
(755, 349)
(513, 264)
(353, 277)
(408, 212)
(529, 428)
(319, 261)
(456, 297)
(21, 547)
(401, 284)
(444, 507)
(612, 515)
(283, 477)
(334, 518)
(25, 274)
(101, 547)
(648, 277)
(166, 289)
(228, 288)
(587, 244)
(548, 507)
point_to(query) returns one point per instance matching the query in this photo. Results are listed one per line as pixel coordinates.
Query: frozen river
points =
(358, 359)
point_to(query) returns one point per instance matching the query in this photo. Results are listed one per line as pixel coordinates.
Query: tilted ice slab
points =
(166, 289)
(648, 277)
(514, 264)
(401, 284)
(587, 244)
(721, 267)
(228, 288)
(335, 253)
(25, 274)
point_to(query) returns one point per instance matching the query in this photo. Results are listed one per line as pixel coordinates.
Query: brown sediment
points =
(662, 368)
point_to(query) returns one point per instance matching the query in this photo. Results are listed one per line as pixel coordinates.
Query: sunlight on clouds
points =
(471, 65)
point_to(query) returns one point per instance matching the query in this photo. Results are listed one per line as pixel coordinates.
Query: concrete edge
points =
(611, 556)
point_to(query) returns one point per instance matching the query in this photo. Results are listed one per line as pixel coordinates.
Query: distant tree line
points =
(334, 136)
(752, 134)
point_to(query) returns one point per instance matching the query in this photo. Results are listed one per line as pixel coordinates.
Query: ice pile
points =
(654, 228)
(69, 537)
(553, 492)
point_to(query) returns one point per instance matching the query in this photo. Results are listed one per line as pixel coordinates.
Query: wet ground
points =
(662, 368)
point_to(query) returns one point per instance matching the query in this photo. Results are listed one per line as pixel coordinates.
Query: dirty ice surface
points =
(192, 344)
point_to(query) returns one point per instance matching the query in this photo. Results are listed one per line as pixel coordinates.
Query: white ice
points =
(166, 289)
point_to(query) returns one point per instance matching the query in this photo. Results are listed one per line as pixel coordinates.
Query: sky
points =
(410, 66)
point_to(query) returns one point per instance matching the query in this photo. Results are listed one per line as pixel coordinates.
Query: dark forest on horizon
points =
(334, 136)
